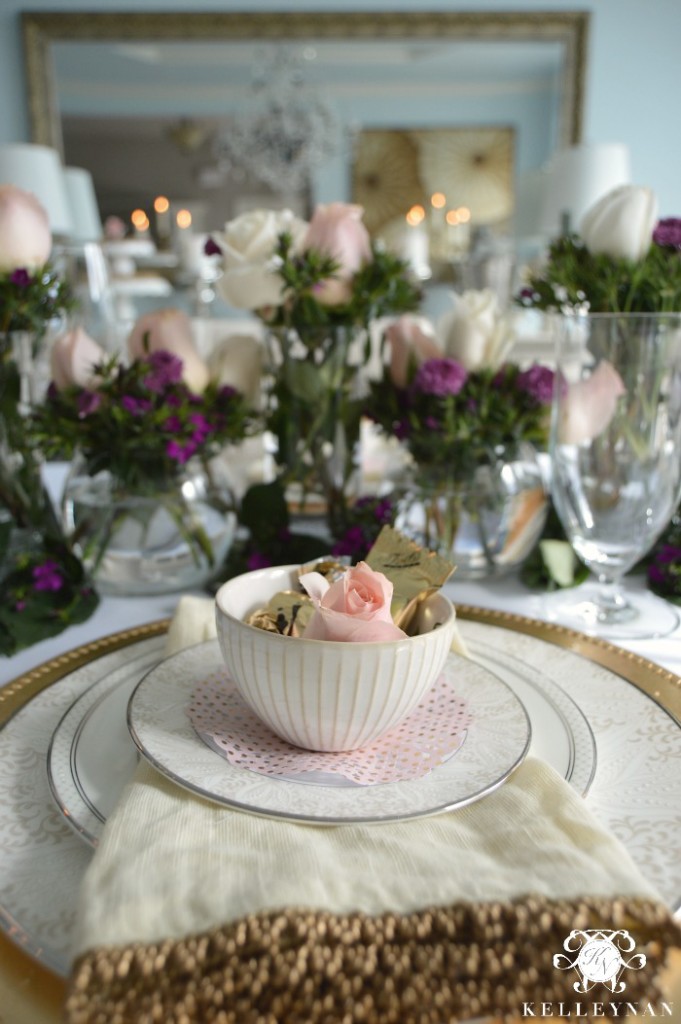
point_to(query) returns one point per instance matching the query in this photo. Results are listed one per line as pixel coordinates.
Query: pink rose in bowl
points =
(25, 236)
(590, 404)
(337, 230)
(73, 358)
(329, 695)
(170, 330)
(355, 608)
(412, 341)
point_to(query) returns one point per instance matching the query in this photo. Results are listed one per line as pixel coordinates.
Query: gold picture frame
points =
(41, 30)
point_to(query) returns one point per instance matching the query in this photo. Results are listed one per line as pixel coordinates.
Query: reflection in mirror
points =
(222, 113)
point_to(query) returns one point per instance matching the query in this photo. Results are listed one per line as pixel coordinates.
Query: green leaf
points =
(264, 511)
(560, 561)
(304, 381)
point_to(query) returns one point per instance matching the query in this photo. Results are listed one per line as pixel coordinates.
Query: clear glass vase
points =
(171, 534)
(487, 520)
(30, 352)
(314, 405)
(23, 498)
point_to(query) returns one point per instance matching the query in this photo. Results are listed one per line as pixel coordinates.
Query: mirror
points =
(463, 105)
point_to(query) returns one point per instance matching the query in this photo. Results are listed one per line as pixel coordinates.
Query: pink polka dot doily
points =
(431, 734)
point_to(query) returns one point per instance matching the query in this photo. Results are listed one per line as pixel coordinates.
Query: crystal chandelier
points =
(283, 132)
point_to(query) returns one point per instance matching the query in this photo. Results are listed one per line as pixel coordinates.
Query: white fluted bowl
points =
(324, 694)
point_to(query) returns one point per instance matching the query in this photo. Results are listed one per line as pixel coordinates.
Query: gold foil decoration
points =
(329, 568)
(287, 613)
(414, 572)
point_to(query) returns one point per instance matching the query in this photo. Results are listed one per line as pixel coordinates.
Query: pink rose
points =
(170, 330)
(590, 404)
(412, 341)
(337, 230)
(73, 358)
(25, 237)
(354, 608)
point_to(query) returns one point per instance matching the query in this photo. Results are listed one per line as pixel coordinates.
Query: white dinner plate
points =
(497, 741)
(636, 790)
(92, 755)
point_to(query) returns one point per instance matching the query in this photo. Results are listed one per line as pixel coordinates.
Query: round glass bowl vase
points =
(487, 521)
(161, 536)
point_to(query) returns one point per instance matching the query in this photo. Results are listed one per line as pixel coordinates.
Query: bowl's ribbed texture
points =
(324, 695)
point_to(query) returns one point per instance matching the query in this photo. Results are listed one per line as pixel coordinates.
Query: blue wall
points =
(633, 82)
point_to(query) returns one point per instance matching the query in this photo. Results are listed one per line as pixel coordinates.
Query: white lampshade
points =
(87, 224)
(38, 169)
(577, 178)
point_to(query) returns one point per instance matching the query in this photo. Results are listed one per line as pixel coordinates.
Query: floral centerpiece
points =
(144, 503)
(623, 260)
(621, 270)
(43, 587)
(31, 291)
(470, 420)
(317, 286)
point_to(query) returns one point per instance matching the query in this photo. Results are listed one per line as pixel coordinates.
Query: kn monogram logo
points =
(599, 957)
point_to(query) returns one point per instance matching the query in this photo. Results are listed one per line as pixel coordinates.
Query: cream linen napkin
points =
(193, 912)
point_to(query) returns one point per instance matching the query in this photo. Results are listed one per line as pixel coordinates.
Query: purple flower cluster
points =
(369, 515)
(47, 576)
(440, 377)
(136, 406)
(453, 418)
(20, 278)
(182, 451)
(665, 569)
(88, 402)
(141, 420)
(211, 248)
(166, 369)
(258, 560)
(537, 381)
(668, 233)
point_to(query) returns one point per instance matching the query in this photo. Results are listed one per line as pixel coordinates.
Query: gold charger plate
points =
(31, 993)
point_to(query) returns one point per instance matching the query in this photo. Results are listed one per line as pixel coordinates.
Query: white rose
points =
(237, 361)
(248, 244)
(475, 332)
(621, 223)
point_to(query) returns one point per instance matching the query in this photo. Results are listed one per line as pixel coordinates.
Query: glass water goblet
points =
(616, 462)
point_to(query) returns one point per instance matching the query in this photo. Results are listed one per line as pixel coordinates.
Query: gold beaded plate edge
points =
(26, 960)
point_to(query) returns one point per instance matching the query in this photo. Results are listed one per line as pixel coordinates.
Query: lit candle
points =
(416, 246)
(163, 221)
(464, 215)
(453, 232)
(183, 219)
(438, 202)
(140, 222)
